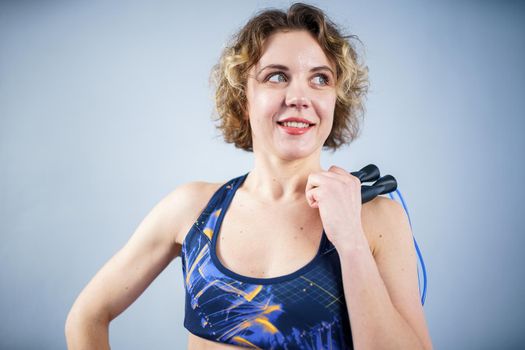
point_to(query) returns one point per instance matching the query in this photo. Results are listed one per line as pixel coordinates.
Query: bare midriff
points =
(198, 343)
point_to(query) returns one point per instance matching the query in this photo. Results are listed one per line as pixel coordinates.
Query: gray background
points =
(105, 108)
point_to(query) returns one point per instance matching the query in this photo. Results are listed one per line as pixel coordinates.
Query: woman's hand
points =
(337, 195)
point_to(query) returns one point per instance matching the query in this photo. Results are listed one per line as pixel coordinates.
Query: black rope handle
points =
(382, 185)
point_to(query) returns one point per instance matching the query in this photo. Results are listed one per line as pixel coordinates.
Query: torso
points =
(261, 240)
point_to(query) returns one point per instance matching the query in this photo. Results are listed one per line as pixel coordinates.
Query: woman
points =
(284, 256)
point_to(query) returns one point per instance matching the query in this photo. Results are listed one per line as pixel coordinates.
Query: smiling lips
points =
(295, 126)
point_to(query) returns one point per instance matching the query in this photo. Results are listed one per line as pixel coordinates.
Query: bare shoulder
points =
(186, 202)
(384, 220)
(390, 236)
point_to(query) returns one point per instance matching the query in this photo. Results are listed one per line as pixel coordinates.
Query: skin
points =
(374, 240)
(274, 94)
(379, 275)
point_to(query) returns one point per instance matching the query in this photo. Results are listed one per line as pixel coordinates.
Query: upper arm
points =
(396, 259)
(149, 250)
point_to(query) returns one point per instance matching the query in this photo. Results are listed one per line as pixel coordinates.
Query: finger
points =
(322, 177)
(312, 197)
(338, 174)
(345, 174)
(314, 180)
(338, 170)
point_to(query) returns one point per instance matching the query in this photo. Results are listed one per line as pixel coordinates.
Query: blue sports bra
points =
(302, 310)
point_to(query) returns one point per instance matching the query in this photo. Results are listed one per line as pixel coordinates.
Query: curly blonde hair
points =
(230, 74)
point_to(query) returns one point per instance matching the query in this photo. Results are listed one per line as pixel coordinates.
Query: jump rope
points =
(386, 185)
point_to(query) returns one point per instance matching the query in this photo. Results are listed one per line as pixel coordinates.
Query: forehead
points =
(293, 49)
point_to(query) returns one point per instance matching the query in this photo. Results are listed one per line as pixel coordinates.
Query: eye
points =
(323, 79)
(276, 77)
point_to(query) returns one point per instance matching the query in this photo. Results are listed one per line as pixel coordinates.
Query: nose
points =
(296, 96)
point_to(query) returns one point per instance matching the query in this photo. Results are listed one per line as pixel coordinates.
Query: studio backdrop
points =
(105, 108)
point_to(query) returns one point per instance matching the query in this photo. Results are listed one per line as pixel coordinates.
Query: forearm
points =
(86, 332)
(375, 322)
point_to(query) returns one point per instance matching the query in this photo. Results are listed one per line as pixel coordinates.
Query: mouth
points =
(293, 124)
(295, 127)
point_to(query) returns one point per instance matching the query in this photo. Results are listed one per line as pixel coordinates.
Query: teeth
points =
(296, 124)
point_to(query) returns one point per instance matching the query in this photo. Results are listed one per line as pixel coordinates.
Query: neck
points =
(275, 179)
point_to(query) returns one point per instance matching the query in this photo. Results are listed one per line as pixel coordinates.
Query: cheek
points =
(326, 106)
(264, 103)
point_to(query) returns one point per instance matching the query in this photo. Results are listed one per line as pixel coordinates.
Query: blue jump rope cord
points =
(420, 257)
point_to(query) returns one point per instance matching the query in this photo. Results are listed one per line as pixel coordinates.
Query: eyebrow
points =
(284, 68)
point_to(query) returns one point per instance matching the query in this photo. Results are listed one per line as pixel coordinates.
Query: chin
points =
(295, 153)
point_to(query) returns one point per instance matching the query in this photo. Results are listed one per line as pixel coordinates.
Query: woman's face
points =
(291, 96)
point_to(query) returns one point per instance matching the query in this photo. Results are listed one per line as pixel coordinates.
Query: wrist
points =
(354, 243)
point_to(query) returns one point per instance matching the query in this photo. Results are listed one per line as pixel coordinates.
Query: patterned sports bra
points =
(302, 310)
